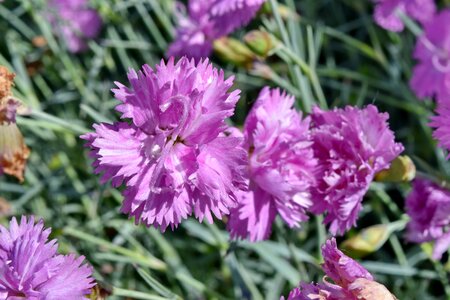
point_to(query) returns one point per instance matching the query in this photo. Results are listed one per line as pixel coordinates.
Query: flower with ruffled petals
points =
(431, 76)
(442, 124)
(281, 167)
(350, 280)
(195, 32)
(387, 12)
(428, 206)
(351, 146)
(13, 151)
(31, 268)
(174, 156)
(75, 22)
(207, 20)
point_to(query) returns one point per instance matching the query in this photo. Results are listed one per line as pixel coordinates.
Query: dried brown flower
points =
(13, 151)
(6, 82)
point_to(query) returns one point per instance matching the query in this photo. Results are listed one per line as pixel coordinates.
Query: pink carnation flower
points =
(431, 76)
(195, 32)
(351, 145)
(387, 12)
(428, 206)
(75, 22)
(281, 167)
(350, 280)
(442, 124)
(207, 20)
(31, 268)
(173, 156)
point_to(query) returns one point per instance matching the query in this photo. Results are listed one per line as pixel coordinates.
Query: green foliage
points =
(326, 53)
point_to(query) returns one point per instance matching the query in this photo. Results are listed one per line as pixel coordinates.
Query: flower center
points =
(155, 151)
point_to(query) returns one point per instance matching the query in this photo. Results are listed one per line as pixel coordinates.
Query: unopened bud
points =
(233, 51)
(285, 12)
(260, 42)
(370, 239)
(402, 170)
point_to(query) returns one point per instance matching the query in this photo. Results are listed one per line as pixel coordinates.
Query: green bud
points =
(284, 11)
(427, 248)
(370, 239)
(233, 51)
(402, 170)
(260, 42)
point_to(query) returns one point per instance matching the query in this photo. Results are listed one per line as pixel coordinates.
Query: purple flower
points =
(174, 156)
(442, 124)
(281, 167)
(428, 206)
(229, 15)
(339, 267)
(351, 145)
(30, 267)
(195, 32)
(75, 22)
(431, 76)
(387, 12)
(207, 20)
(351, 281)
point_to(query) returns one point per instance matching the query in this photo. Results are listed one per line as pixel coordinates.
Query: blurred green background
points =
(329, 53)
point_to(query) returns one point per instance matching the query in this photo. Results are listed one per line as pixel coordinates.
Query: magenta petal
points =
(176, 157)
(75, 22)
(386, 13)
(442, 245)
(340, 268)
(253, 217)
(442, 124)
(431, 75)
(428, 206)
(281, 170)
(29, 265)
(351, 146)
(207, 20)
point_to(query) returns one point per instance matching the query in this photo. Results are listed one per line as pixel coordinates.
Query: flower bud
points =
(370, 239)
(260, 42)
(402, 169)
(233, 51)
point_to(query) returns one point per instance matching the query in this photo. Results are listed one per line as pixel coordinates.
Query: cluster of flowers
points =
(351, 281)
(428, 204)
(177, 156)
(202, 22)
(431, 76)
(31, 268)
(208, 20)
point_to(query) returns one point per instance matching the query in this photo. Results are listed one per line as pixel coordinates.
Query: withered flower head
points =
(6, 82)
(13, 151)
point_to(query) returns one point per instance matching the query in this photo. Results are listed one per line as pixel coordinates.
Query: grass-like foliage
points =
(326, 53)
